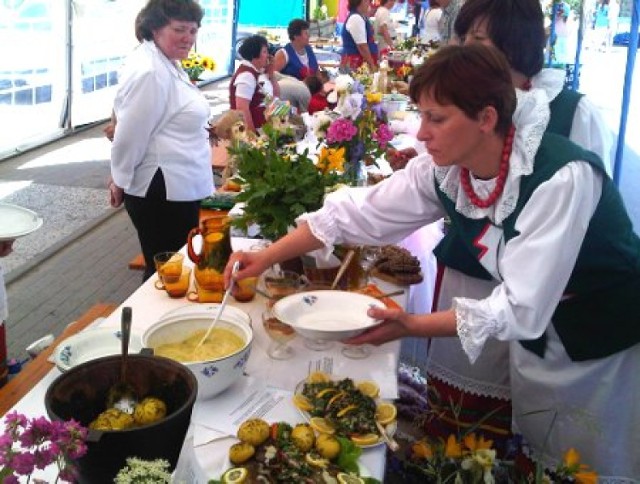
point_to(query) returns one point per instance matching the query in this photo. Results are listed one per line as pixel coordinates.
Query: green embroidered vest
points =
(599, 317)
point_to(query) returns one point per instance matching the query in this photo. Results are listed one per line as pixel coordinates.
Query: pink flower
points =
(38, 443)
(383, 135)
(23, 463)
(341, 130)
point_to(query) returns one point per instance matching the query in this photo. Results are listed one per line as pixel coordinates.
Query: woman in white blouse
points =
(384, 26)
(540, 217)
(430, 21)
(160, 157)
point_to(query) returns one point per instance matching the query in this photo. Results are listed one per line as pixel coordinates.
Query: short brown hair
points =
(158, 13)
(471, 77)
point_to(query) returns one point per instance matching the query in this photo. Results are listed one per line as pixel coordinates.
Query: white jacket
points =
(161, 124)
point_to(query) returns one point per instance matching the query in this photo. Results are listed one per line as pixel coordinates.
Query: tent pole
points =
(626, 91)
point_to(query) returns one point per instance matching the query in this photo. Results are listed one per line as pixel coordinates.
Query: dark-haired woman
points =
(541, 216)
(253, 81)
(358, 43)
(160, 157)
(294, 63)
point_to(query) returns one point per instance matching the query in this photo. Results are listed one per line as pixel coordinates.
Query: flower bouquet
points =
(28, 445)
(196, 64)
(356, 131)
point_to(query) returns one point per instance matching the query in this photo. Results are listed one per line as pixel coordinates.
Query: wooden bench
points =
(35, 370)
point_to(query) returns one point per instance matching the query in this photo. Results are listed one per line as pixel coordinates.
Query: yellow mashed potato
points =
(221, 342)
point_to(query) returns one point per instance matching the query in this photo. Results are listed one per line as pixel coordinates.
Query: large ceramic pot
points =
(81, 393)
(217, 374)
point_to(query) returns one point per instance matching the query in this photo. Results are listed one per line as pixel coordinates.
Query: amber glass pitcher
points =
(216, 249)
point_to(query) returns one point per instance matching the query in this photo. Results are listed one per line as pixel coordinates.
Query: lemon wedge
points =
(344, 478)
(237, 475)
(302, 402)
(386, 413)
(365, 439)
(318, 377)
(368, 388)
(321, 425)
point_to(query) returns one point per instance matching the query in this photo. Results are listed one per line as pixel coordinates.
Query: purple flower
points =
(23, 463)
(341, 130)
(11, 480)
(383, 135)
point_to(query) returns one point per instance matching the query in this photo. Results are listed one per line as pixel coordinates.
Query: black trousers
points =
(162, 225)
(417, 10)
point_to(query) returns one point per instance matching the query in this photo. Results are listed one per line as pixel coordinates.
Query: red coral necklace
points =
(465, 179)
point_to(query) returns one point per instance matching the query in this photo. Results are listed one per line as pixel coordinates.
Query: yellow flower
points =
(187, 63)
(474, 444)
(374, 97)
(422, 450)
(331, 159)
(208, 63)
(453, 448)
(571, 457)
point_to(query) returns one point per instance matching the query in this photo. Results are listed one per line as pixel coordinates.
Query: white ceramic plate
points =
(17, 221)
(390, 428)
(327, 315)
(91, 344)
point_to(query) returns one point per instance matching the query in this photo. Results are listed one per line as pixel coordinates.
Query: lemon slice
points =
(344, 478)
(321, 425)
(386, 413)
(316, 461)
(346, 410)
(213, 238)
(302, 402)
(366, 439)
(318, 377)
(236, 475)
(368, 388)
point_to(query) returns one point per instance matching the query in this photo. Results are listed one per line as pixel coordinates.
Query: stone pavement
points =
(80, 255)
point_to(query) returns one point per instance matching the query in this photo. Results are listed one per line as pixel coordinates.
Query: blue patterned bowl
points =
(216, 375)
(91, 344)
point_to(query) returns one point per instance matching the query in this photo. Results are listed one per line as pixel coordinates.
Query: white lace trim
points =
(551, 81)
(474, 325)
(467, 385)
(530, 119)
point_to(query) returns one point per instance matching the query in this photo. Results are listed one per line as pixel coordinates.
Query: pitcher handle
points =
(192, 255)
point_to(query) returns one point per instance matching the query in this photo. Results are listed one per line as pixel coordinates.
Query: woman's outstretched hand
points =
(396, 324)
(252, 264)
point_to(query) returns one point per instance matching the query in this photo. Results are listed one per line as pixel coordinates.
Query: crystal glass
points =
(368, 256)
(280, 334)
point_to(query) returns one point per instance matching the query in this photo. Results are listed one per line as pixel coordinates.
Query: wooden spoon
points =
(343, 267)
(122, 395)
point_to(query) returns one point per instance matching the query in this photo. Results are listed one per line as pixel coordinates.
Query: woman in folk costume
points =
(543, 219)
(358, 44)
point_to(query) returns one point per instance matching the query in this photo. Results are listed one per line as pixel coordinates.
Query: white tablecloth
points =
(274, 380)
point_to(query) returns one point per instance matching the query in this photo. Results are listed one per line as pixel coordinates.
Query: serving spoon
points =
(122, 395)
(234, 269)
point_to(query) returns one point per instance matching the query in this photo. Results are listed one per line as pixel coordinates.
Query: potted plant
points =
(279, 184)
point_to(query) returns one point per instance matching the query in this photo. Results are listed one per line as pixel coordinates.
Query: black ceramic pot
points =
(81, 392)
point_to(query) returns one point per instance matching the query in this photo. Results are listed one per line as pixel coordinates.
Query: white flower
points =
(320, 123)
(344, 84)
(350, 106)
(416, 60)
